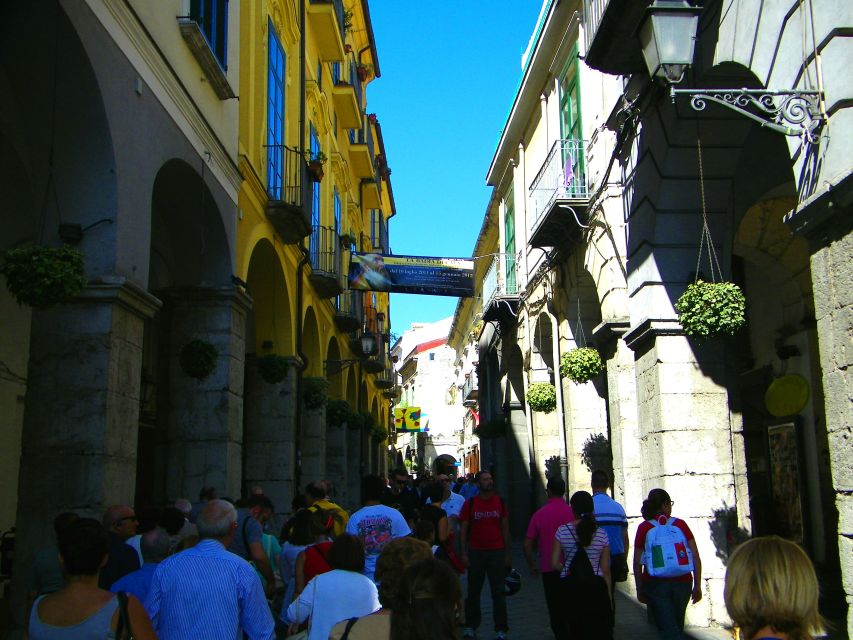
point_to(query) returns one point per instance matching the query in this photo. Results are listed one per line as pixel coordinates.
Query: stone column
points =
(691, 445)
(313, 445)
(205, 419)
(336, 461)
(832, 276)
(81, 413)
(269, 434)
(353, 466)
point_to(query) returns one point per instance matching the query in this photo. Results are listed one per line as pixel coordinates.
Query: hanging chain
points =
(714, 263)
(579, 329)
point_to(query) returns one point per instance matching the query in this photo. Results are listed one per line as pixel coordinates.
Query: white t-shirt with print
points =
(376, 525)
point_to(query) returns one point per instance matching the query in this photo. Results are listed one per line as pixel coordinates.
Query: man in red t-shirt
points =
(486, 551)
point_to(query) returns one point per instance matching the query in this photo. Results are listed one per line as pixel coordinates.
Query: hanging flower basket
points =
(198, 359)
(337, 412)
(272, 368)
(315, 392)
(581, 365)
(711, 309)
(378, 433)
(355, 420)
(41, 276)
(542, 397)
(315, 170)
(369, 421)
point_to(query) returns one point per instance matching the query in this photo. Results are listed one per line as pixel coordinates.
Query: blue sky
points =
(449, 74)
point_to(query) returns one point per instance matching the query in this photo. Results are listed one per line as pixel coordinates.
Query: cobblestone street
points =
(528, 617)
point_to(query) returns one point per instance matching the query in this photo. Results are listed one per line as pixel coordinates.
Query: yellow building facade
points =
(316, 187)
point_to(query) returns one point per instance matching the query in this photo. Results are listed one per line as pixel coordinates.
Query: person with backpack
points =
(486, 551)
(667, 567)
(582, 556)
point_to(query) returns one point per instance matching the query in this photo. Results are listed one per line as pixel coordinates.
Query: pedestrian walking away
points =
(487, 552)
(540, 533)
(584, 573)
(667, 567)
(610, 516)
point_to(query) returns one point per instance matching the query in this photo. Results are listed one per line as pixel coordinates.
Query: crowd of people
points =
(396, 568)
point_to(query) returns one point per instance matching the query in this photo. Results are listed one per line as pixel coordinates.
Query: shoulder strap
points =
(350, 624)
(123, 629)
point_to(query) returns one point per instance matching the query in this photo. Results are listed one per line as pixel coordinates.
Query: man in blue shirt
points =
(611, 517)
(155, 547)
(207, 591)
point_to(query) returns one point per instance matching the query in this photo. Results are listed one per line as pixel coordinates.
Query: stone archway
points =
(269, 409)
(336, 435)
(191, 432)
(313, 428)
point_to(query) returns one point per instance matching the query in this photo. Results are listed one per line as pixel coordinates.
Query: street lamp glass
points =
(668, 36)
(368, 344)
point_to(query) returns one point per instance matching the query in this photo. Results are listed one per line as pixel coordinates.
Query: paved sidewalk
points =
(528, 616)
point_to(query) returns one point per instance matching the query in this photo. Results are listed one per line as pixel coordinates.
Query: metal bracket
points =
(792, 113)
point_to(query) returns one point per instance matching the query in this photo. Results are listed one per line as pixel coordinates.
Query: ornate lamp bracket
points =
(792, 113)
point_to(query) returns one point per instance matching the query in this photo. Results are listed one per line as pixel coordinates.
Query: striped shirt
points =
(567, 539)
(208, 593)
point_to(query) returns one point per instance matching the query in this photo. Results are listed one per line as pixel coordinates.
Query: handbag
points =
(123, 630)
(619, 567)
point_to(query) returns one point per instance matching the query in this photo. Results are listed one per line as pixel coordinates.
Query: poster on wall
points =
(785, 480)
(412, 274)
(407, 419)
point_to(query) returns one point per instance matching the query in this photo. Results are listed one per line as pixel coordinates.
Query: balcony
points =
(349, 313)
(327, 19)
(289, 190)
(371, 191)
(611, 28)
(470, 391)
(325, 256)
(346, 103)
(500, 290)
(560, 183)
(385, 379)
(361, 151)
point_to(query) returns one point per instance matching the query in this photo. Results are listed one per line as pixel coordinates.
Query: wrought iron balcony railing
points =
(611, 35)
(349, 312)
(559, 197)
(470, 390)
(325, 258)
(500, 281)
(288, 189)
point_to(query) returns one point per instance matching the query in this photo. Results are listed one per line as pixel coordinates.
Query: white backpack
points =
(667, 554)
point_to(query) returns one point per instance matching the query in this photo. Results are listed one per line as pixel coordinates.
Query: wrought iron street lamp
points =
(668, 35)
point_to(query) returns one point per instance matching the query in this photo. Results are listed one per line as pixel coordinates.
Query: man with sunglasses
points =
(120, 521)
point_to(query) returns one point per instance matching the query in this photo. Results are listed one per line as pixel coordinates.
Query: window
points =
(377, 231)
(314, 142)
(432, 356)
(212, 17)
(336, 72)
(319, 75)
(275, 116)
(337, 212)
(570, 118)
(509, 244)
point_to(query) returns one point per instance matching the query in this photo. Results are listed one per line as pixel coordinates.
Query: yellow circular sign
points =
(787, 395)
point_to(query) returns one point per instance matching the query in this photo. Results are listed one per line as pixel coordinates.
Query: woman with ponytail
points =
(582, 556)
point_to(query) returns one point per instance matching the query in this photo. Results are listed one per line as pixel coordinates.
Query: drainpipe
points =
(561, 418)
(300, 285)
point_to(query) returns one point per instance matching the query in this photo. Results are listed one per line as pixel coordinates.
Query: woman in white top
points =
(582, 556)
(342, 593)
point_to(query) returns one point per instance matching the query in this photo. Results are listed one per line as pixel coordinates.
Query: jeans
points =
(668, 600)
(482, 564)
(553, 599)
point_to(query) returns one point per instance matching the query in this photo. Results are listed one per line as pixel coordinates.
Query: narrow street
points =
(528, 617)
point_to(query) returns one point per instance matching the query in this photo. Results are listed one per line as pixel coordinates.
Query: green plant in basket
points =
(337, 412)
(378, 433)
(272, 368)
(198, 358)
(542, 397)
(315, 392)
(711, 309)
(581, 365)
(355, 420)
(42, 276)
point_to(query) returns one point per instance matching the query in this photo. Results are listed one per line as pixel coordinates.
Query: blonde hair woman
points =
(772, 591)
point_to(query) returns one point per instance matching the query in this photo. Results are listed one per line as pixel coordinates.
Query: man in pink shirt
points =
(541, 530)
